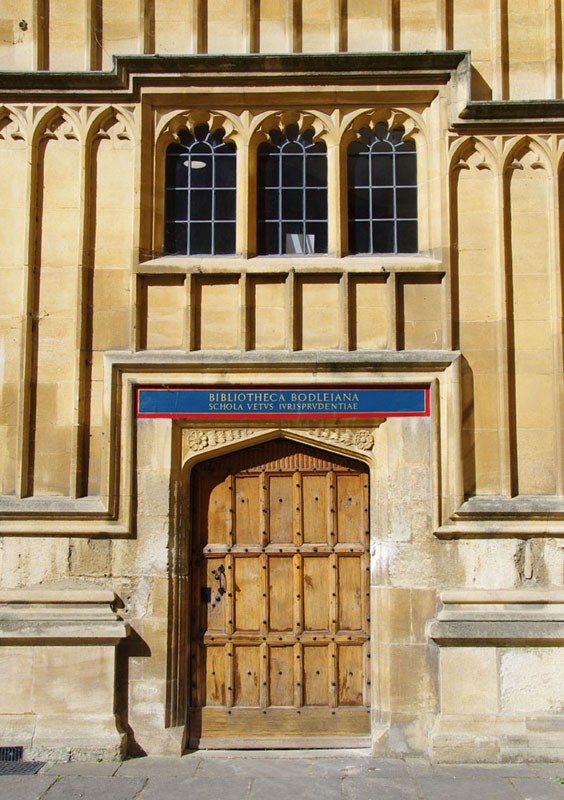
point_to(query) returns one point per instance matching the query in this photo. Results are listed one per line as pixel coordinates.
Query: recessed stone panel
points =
(370, 310)
(269, 313)
(166, 313)
(420, 312)
(318, 307)
(216, 313)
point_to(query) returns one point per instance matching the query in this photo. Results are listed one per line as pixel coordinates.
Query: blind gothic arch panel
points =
(292, 193)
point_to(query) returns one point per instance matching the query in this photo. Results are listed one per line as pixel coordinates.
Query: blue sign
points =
(291, 401)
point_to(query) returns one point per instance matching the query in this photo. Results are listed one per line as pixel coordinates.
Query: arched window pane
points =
(200, 199)
(292, 194)
(382, 192)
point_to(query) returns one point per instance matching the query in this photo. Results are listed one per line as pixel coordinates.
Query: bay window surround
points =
(279, 202)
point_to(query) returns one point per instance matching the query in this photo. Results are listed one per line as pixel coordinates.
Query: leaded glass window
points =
(200, 194)
(382, 192)
(292, 194)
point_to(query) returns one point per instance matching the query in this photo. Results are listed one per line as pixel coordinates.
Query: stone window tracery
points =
(284, 175)
(292, 193)
(200, 196)
(382, 192)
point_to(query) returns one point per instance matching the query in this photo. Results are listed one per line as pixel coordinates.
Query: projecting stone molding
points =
(69, 635)
(500, 665)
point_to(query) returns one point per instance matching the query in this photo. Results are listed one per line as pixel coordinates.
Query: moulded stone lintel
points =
(60, 616)
(471, 596)
(496, 516)
(41, 595)
(519, 605)
(334, 361)
(501, 632)
(14, 632)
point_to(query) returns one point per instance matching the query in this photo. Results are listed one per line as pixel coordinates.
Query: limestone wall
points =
(516, 47)
(487, 282)
(466, 499)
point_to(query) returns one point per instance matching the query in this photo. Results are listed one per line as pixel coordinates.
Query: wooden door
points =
(280, 600)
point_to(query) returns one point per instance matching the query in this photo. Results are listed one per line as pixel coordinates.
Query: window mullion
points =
(213, 201)
(304, 206)
(280, 203)
(370, 199)
(189, 203)
(395, 196)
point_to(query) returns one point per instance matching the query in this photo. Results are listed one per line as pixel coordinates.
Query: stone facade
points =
(466, 507)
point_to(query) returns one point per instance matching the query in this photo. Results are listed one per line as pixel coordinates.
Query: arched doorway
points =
(280, 599)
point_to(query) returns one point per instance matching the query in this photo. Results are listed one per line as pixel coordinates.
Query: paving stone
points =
(478, 788)
(307, 754)
(292, 787)
(77, 788)
(164, 767)
(85, 768)
(538, 788)
(194, 789)
(24, 787)
(342, 767)
(554, 770)
(418, 766)
(485, 770)
(305, 776)
(384, 789)
(374, 768)
(259, 768)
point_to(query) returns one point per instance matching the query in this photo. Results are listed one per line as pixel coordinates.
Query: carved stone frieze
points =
(361, 439)
(199, 440)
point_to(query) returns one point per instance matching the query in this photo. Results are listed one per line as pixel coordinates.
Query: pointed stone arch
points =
(528, 151)
(206, 444)
(171, 124)
(13, 125)
(473, 153)
(284, 455)
(411, 121)
(59, 123)
(279, 120)
(111, 122)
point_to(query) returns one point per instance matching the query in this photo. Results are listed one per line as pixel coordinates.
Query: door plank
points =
(316, 675)
(248, 526)
(247, 594)
(215, 676)
(280, 506)
(214, 519)
(350, 506)
(281, 722)
(316, 599)
(281, 595)
(350, 679)
(315, 509)
(350, 616)
(281, 677)
(247, 676)
(215, 609)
